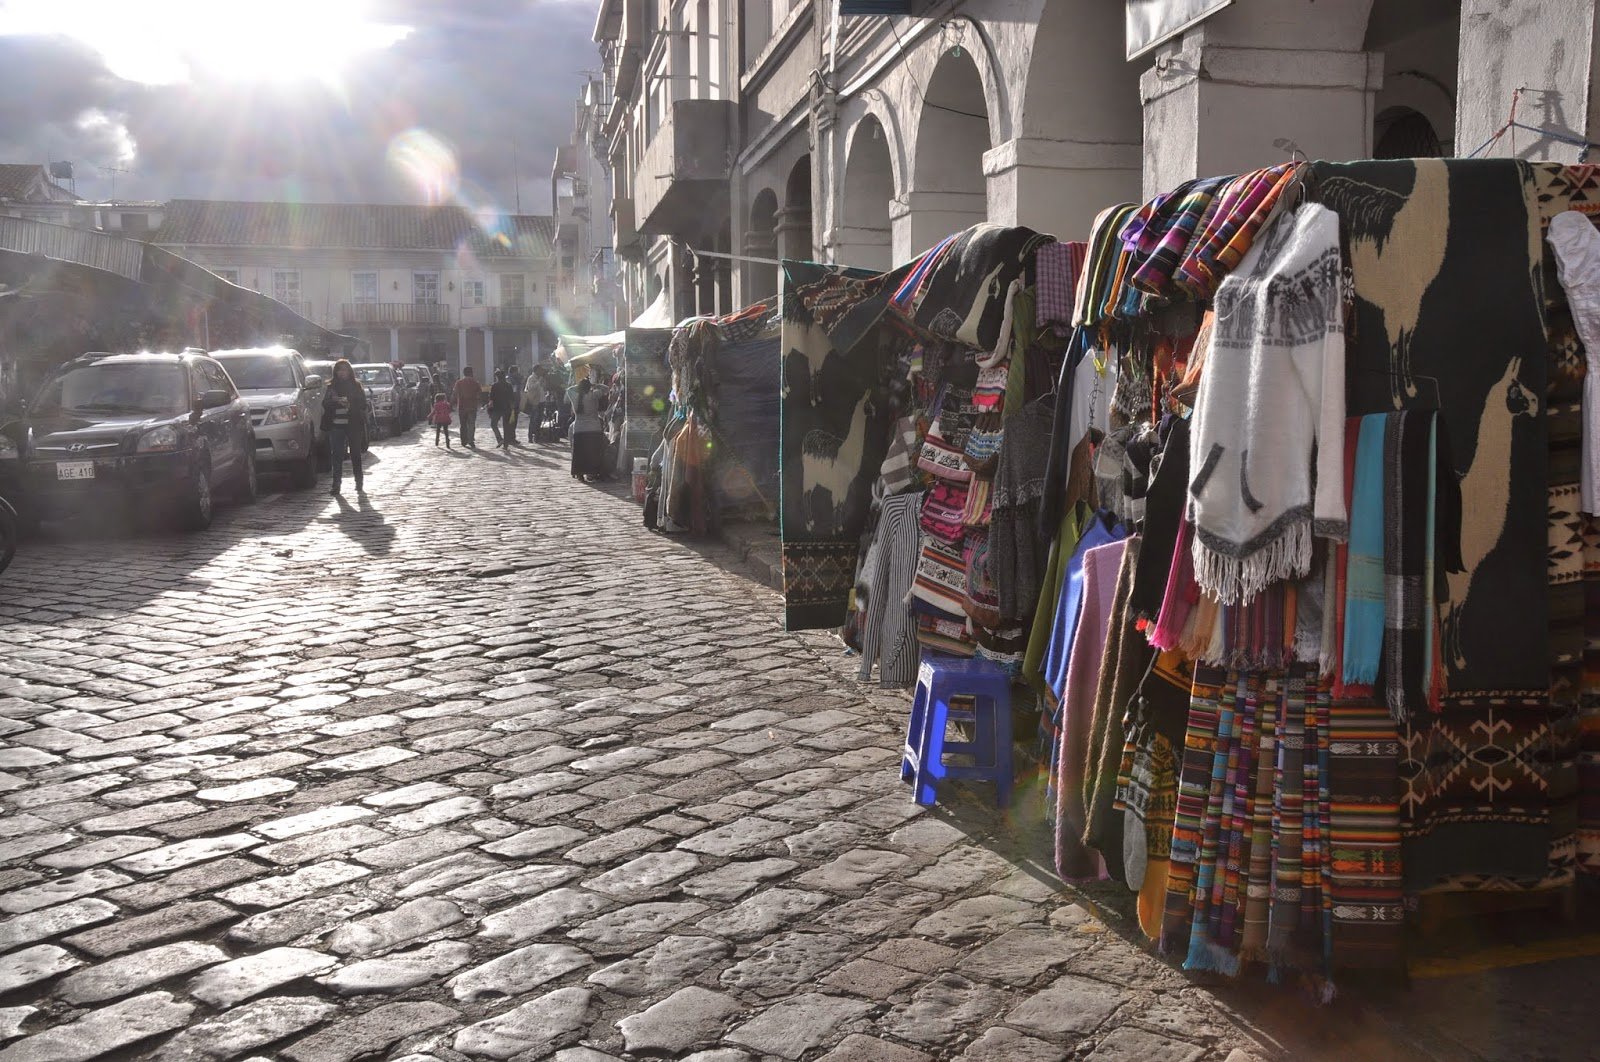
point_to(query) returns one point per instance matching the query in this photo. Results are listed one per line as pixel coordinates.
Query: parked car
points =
(324, 369)
(285, 403)
(152, 434)
(385, 393)
(14, 511)
(420, 391)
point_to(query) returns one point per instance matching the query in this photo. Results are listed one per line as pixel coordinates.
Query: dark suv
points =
(155, 434)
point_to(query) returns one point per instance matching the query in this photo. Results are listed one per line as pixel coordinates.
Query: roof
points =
(353, 226)
(29, 181)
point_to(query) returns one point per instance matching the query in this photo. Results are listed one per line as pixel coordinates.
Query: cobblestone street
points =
(480, 769)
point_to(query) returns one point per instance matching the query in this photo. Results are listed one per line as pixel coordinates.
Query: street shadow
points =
(364, 525)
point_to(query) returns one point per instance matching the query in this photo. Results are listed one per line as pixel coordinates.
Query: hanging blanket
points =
(835, 426)
(1364, 837)
(1271, 391)
(964, 296)
(889, 639)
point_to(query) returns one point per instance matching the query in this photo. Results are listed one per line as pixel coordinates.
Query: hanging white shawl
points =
(1268, 437)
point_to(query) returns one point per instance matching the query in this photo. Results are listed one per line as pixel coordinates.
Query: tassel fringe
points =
(1236, 581)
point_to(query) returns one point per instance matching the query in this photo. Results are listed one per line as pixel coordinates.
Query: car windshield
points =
(411, 374)
(379, 375)
(124, 387)
(260, 372)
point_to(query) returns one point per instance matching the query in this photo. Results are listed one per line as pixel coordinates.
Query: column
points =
(394, 344)
(461, 351)
(759, 281)
(1219, 99)
(794, 234)
(533, 346)
(488, 356)
(1548, 51)
(1059, 186)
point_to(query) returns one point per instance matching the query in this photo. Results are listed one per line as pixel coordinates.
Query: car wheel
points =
(248, 489)
(197, 508)
(304, 473)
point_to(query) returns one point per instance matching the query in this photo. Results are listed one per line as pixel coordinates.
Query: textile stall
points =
(715, 458)
(1277, 497)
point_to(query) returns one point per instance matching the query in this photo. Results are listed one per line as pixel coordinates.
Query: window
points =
(511, 289)
(472, 293)
(425, 289)
(135, 222)
(286, 286)
(364, 287)
(550, 293)
(230, 275)
(217, 378)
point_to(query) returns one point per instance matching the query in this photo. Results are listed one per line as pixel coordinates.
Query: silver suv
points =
(385, 393)
(285, 400)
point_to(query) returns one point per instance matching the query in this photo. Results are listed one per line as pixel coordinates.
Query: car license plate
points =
(75, 470)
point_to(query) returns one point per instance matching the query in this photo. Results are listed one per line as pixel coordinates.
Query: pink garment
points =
(1075, 860)
(441, 412)
(1181, 595)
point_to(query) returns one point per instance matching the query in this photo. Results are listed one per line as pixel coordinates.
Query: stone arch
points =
(948, 189)
(1080, 125)
(1421, 43)
(794, 222)
(761, 278)
(864, 238)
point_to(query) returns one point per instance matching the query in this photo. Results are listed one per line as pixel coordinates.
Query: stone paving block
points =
(909, 953)
(247, 1028)
(175, 921)
(22, 847)
(409, 795)
(735, 879)
(18, 969)
(533, 1028)
(400, 970)
(60, 890)
(140, 816)
(409, 850)
(254, 789)
(942, 1009)
(688, 1017)
(1070, 1006)
(320, 845)
(130, 973)
(870, 979)
(251, 975)
(536, 841)
(438, 813)
(387, 931)
(306, 822)
(285, 888)
(614, 845)
(977, 917)
(436, 875)
(100, 1032)
(1007, 1045)
(736, 837)
(648, 875)
(788, 964)
(859, 1048)
(542, 914)
(1129, 1044)
(669, 963)
(764, 912)
(314, 915)
(12, 1019)
(793, 1027)
(517, 972)
(517, 883)
(173, 856)
(854, 871)
(50, 922)
(370, 1033)
(631, 926)
(1021, 956)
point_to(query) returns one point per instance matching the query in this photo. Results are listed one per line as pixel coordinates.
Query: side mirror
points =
(313, 381)
(215, 399)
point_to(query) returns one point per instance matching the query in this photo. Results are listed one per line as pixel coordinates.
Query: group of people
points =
(544, 398)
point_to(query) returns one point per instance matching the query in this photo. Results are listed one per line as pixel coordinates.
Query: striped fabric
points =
(1367, 896)
(1243, 210)
(1098, 285)
(889, 639)
(1200, 744)
(1176, 223)
(1059, 265)
(906, 296)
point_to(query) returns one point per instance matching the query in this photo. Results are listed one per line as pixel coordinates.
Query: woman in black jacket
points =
(344, 418)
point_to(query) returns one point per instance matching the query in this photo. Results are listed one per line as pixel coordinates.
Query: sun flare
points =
(175, 41)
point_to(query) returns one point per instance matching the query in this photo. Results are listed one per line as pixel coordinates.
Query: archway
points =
(1416, 107)
(761, 278)
(865, 239)
(794, 225)
(948, 192)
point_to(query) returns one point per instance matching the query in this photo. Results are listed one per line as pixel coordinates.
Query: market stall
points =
(1271, 498)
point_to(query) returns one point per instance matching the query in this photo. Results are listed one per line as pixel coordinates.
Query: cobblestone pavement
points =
(479, 769)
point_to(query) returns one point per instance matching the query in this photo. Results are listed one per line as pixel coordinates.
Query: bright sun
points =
(162, 42)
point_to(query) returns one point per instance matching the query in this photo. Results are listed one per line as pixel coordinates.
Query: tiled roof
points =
(17, 181)
(352, 226)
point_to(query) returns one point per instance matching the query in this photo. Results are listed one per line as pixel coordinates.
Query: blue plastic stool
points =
(940, 680)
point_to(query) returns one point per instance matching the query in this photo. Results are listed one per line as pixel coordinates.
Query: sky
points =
(311, 100)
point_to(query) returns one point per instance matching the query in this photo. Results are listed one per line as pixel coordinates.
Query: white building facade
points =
(864, 139)
(580, 191)
(418, 283)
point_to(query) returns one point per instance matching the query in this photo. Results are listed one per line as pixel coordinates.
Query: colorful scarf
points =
(1167, 235)
(1245, 206)
(1404, 666)
(1364, 576)
(1059, 265)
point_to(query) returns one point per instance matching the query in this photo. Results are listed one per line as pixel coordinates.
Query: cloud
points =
(495, 82)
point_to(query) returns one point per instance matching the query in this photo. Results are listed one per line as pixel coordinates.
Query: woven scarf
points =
(1194, 784)
(1175, 225)
(1204, 953)
(1258, 879)
(1182, 594)
(1364, 576)
(1100, 284)
(1059, 265)
(1404, 667)
(1244, 207)
(1272, 389)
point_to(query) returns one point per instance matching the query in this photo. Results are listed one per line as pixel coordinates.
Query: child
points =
(441, 420)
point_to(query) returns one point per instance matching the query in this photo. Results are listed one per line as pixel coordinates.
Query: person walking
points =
(587, 403)
(344, 418)
(441, 420)
(533, 398)
(469, 396)
(514, 378)
(502, 403)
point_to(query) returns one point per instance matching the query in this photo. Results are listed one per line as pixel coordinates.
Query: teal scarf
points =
(1363, 609)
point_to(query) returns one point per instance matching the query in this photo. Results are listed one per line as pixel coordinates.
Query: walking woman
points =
(344, 418)
(588, 430)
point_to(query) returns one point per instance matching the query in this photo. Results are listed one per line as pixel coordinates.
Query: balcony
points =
(627, 231)
(515, 316)
(682, 182)
(395, 314)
